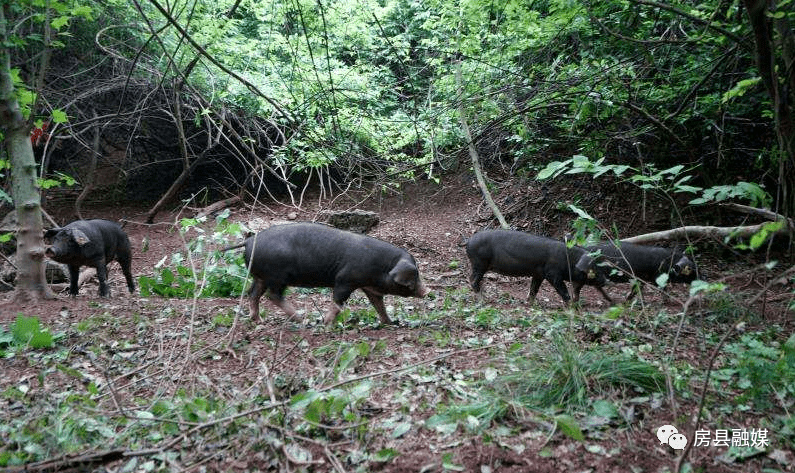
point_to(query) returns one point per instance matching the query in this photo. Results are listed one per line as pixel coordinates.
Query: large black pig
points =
(515, 253)
(623, 261)
(90, 243)
(317, 255)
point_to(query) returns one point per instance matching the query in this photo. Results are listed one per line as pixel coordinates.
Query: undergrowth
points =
(455, 369)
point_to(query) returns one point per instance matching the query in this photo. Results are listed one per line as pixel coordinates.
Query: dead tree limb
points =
(768, 214)
(698, 231)
(221, 204)
(473, 153)
(88, 180)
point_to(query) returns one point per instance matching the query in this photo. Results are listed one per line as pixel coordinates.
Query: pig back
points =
(516, 253)
(114, 240)
(643, 262)
(316, 255)
(105, 239)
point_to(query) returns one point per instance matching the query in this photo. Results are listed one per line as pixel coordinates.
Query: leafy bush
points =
(762, 371)
(25, 332)
(222, 273)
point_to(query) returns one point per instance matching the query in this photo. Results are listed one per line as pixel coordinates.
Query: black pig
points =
(316, 255)
(90, 243)
(515, 253)
(623, 261)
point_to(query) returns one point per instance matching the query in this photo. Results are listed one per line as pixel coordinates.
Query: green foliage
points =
(763, 373)
(569, 376)
(328, 406)
(671, 180)
(762, 236)
(25, 332)
(741, 88)
(60, 179)
(222, 274)
(749, 191)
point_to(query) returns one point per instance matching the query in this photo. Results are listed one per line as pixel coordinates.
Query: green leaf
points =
(301, 400)
(59, 116)
(400, 429)
(59, 22)
(385, 455)
(759, 238)
(662, 280)
(740, 88)
(605, 408)
(580, 212)
(552, 169)
(703, 286)
(26, 331)
(447, 463)
(83, 11)
(568, 425)
(443, 424)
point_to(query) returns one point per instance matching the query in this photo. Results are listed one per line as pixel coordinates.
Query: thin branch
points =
(217, 64)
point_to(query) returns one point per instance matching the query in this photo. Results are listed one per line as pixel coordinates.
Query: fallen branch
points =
(768, 214)
(221, 204)
(698, 231)
(81, 462)
(473, 153)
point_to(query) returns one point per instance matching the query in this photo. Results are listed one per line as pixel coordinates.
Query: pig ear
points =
(404, 273)
(79, 237)
(584, 263)
(684, 266)
(48, 234)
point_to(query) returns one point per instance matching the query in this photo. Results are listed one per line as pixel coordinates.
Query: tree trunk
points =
(31, 283)
(775, 47)
(88, 180)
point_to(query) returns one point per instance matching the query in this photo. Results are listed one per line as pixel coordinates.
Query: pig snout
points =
(405, 274)
(422, 291)
(683, 267)
(685, 270)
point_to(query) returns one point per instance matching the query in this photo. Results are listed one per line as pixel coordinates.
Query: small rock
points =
(360, 221)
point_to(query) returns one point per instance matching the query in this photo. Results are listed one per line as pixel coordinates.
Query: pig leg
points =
(604, 294)
(257, 289)
(535, 285)
(560, 286)
(476, 278)
(124, 261)
(341, 294)
(74, 276)
(331, 313)
(102, 275)
(378, 302)
(285, 306)
(575, 289)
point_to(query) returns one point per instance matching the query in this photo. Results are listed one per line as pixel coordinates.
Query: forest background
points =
(261, 101)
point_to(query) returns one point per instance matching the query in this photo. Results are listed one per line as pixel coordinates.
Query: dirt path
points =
(151, 349)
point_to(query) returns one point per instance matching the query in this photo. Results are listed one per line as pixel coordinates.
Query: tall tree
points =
(30, 283)
(775, 59)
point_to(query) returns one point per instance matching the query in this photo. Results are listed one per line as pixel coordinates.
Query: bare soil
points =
(153, 348)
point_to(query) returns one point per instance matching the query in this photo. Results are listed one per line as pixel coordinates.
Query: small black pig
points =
(90, 243)
(621, 262)
(515, 253)
(317, 255)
